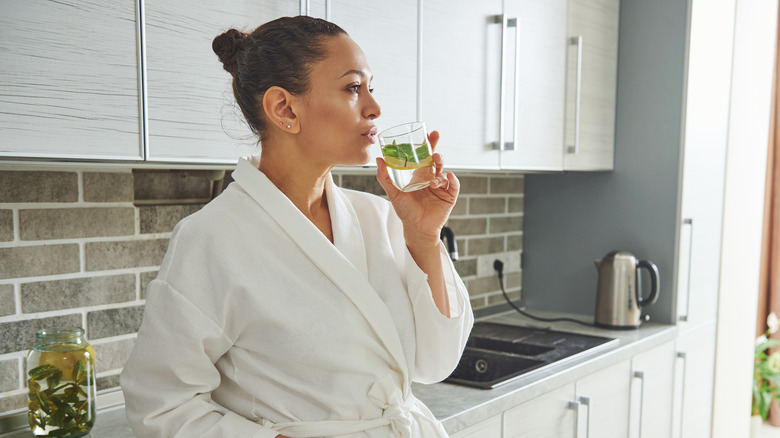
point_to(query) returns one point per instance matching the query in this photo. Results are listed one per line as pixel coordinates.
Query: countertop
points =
(458, 406)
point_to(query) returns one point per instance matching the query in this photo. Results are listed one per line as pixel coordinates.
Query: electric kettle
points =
(619, 299)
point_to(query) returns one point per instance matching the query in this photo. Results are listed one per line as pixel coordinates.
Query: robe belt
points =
(397, 412)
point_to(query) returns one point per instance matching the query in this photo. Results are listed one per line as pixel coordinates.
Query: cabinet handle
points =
(682, 355)
(684, 317)
(575, 406)
(584, 401)
(506, 23)
(577, 96)
(641, 376)
(515, 22)
(143, 95)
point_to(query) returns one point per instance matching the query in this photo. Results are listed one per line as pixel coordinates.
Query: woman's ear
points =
(277, 104)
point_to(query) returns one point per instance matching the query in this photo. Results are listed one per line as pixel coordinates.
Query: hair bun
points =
(226, 46)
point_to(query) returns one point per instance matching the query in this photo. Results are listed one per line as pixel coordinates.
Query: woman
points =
(288, 307)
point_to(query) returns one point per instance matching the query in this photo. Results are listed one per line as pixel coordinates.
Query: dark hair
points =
(279, 53)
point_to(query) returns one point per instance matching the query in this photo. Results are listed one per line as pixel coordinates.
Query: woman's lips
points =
(371, 134)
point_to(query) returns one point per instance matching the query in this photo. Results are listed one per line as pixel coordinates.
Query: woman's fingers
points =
(384, 178)
(433, 139)
(438, 162)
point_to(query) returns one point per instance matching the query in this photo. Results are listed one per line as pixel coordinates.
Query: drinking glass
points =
(408, 156)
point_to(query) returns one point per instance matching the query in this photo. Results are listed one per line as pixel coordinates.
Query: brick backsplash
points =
(79, 247)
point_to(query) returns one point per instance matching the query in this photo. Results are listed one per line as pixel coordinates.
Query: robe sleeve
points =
(440, 340)
(170, 375)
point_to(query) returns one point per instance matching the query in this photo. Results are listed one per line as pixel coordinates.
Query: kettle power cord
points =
(498, 265)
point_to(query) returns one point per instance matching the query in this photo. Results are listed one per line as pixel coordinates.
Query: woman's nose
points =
(373, 110)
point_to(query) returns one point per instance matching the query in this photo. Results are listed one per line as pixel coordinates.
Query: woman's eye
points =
(371, 90)
(354, 88)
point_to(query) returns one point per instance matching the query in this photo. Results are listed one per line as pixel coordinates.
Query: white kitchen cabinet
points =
(705, 137)
(460, 79)
(389, 40)
(551, 415)
(604, 399)
(70, 86)
(591, 84)
(490, 428)
(191, 111)
(652, 385)
(693, 383)
(535, 85)
(594, 406)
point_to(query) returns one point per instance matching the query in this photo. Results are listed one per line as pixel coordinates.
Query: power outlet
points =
(511, 261)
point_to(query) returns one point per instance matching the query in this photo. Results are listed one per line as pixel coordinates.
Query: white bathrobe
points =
(257, 325)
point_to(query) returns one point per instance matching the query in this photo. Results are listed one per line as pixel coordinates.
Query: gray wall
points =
(573, 219)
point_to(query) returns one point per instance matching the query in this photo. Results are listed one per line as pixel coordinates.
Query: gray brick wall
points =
(79, 247)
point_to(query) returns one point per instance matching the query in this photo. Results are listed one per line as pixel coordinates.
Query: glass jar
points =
(61, 383)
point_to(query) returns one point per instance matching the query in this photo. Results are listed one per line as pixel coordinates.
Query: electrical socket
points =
(511, 261)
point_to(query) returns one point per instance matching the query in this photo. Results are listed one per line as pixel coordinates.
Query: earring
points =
(289, 126)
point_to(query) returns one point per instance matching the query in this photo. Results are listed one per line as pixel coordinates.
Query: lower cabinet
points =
(603, 399)
(693, 382)
(490, 428)
(594, 406)
(652, 395)
(645, 396)
(552, 415)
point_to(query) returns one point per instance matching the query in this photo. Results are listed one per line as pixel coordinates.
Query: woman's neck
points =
(301, 180)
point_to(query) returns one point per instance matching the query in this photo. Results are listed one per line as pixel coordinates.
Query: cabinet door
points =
(591, 84)
(547, 416)
(387, 33)
(652, 392)
(192, 115)
(704, 159)
(605, 395)
(694, 375)
(490, 428)
(535, 91)
(70, 80)
(460, 79)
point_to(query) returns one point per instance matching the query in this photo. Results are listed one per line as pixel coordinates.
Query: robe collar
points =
(344, 263)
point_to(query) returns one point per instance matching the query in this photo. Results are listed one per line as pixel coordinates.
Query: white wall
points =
(754, 48)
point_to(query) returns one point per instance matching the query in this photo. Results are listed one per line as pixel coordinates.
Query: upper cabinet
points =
(500, 80)
(191, 113)
(591, 84)
(461, 50)
(510, 85)
(70, 80)
(535, 85)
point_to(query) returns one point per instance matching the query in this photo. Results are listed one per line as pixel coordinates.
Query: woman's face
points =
(338, 112)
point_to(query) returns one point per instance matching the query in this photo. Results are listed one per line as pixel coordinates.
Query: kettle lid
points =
(612, 256)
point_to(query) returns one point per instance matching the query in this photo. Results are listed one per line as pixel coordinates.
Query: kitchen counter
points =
(458, 406)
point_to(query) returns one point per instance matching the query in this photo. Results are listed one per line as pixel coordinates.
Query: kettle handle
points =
(654, 281)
